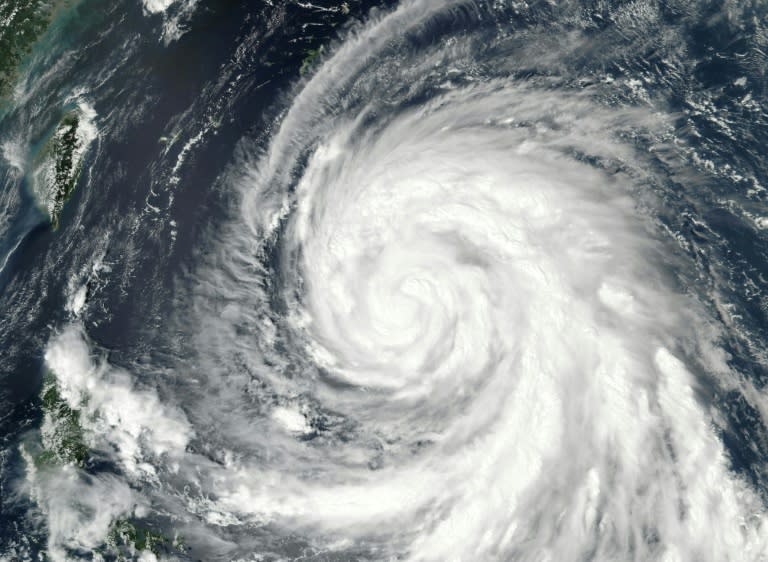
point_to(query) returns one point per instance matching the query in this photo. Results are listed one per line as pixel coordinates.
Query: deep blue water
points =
(227, 80)
(142, 90)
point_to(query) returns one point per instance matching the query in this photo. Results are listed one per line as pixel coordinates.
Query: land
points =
(58, 164)
(22, 22)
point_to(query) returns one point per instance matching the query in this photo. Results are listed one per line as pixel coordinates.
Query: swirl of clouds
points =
(439, 327)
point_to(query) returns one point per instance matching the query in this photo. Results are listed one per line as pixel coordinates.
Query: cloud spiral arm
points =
(441, 328)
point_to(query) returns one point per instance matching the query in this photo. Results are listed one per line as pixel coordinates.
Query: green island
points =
(127, 538)
(65, 143)
(58, 163)
(56, 167)
(63, 443)
(310, 59)
(61, 433)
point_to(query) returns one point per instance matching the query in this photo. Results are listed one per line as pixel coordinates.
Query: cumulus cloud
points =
(117, 419)
(469, 282)
(438, 328)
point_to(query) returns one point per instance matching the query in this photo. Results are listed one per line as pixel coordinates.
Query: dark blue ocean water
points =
(227, 69)
(174, 116)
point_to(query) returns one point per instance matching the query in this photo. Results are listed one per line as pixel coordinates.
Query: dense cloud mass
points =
(463, 283)
(443, 321)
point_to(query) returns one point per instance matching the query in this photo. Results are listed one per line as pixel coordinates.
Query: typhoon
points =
(466, 297)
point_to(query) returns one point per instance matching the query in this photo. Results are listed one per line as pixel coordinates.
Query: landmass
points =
(22, 22)
(61, 432)
(58, 163)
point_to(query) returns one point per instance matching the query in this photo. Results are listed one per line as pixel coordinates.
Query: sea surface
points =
(418, 280)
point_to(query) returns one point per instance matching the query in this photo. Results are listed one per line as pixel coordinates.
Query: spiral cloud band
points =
(442, 327)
